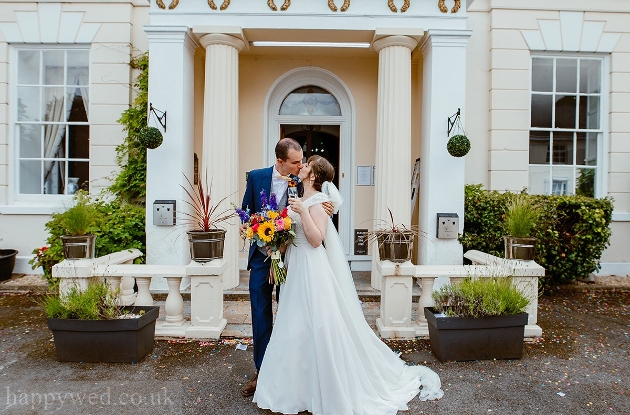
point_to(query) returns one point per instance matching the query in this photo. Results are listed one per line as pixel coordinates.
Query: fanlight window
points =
(310, 100)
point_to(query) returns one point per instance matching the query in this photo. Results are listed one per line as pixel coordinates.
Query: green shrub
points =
(571, 231)
(96, 302)
(118, 226)
(480, 297)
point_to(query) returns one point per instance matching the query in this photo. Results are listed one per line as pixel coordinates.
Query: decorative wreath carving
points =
(403, 9)
(225, 5)
(333, 7)
(273, 7)
(444, 9)
(171, 6)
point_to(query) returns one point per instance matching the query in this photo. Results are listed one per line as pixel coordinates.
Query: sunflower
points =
(250, 232)
(287, 223)
(265, 231)
(272, 214)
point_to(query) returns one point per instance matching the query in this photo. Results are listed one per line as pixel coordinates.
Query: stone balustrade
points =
(395, 320)
(206, 291)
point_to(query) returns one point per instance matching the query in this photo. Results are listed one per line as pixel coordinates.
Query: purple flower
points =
(273, 203)
(243, 214)
(263, 198)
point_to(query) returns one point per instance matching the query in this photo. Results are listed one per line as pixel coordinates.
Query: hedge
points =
(572, 231)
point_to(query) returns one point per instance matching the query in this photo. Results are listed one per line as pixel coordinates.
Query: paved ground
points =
(580, 366)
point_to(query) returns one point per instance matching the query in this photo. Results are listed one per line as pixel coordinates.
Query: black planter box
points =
(7, 262)
(469, 338)
(120, 340)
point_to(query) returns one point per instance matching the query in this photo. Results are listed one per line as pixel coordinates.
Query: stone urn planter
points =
(476, 338)
(7, 262)
(521, 216)
(116, 340)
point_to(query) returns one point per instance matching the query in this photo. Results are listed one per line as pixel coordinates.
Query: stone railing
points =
(395, 320)
(206, 291)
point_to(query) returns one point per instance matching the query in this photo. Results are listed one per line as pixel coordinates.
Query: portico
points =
(223, 93)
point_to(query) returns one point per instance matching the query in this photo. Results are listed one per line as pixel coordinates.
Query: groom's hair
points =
(322, 169)
(283, 147)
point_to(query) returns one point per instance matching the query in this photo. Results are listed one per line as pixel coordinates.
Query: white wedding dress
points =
(323, 356)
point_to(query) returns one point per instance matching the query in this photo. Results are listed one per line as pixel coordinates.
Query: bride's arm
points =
(314, 223)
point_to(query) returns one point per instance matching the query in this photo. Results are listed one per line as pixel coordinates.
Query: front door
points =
(322, 140)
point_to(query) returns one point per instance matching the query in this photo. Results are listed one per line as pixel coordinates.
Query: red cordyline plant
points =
(205, 215)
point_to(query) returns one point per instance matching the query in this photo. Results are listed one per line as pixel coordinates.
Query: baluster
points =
(144, 295)
(114, 285)
(174, 305)
(425, 300)
(127, 296)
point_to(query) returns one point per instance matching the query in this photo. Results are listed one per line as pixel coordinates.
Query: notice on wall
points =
(360, 241)
(364, 176)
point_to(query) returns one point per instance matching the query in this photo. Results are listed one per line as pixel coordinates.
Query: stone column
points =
(220, 135)
(441, 175)
(393, 135)
(171, 89)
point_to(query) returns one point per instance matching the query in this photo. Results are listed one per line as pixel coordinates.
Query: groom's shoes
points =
(250, 388)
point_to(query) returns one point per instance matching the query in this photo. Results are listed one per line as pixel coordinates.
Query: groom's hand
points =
(329, 208)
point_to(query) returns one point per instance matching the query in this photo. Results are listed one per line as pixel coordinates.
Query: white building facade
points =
(544, 96)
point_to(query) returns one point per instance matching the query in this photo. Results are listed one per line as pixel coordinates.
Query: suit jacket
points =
(257, 180)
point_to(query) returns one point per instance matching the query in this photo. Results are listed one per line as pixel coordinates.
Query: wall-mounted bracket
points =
(452, 120)
(160, 118)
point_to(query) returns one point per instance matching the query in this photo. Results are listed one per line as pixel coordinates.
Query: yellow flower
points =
(287, 223)
(249, 233)
(266, 231)
(272, 214)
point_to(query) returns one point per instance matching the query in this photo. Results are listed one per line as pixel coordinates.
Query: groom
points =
(272, 179)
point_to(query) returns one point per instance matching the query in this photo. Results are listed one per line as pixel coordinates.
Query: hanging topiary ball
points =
(150, 137)
(458, 145)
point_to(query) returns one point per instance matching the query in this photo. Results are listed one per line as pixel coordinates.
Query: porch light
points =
(363, 45)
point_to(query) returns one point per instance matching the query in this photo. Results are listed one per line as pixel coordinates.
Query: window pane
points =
(54, 142)
(542, 75)
(78, 67)
(562, 148)
(81, 172)
(590, 76)
(539, 142)
(54, 177)
(589, 112)
(53, 104)
(30, 141)
(585, 182)
(310, 100)
(566, 75)
(76, 104)
(28, 103)
(562, 181)
(541, 110)
(53, 67)
(565, 111)
(539, 179)
(28, 67)
(79, 145)
(30, 176)
(586, 149)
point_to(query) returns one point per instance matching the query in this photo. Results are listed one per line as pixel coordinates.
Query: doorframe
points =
(322, 78)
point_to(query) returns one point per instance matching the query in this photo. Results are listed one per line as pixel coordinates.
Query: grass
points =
(97, 302)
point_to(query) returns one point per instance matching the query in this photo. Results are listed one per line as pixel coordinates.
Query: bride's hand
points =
(297, 206)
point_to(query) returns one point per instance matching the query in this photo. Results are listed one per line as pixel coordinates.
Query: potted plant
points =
(7, 262)
(521, 216)
(89, 325)
(395, 241)
(479, 318)
(205, 238)
(77, 221)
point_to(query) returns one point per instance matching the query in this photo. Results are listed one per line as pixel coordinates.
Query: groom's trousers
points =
(260, 296)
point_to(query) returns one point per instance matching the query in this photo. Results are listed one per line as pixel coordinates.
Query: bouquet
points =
(269, 228)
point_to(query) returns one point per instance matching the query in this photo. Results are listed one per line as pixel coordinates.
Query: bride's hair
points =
(322, 169)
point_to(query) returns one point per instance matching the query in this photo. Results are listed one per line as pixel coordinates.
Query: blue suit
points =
(260, 291)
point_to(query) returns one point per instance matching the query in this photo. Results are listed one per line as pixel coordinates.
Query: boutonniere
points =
(293, 183)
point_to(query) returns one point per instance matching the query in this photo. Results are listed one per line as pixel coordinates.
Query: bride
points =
(323, 356)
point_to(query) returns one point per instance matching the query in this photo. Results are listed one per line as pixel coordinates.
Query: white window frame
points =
(31, 203)
(603, 136)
